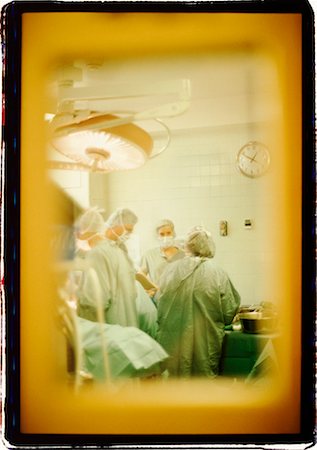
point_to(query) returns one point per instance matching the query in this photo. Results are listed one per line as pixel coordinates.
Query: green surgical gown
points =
(111, 277)
(152, 264)
(196, 301)
(147, 312)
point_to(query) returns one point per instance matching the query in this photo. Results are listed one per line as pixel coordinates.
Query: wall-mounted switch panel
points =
(248, 224)
(223, 228)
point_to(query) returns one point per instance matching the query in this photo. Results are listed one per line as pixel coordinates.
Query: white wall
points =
(195, 181)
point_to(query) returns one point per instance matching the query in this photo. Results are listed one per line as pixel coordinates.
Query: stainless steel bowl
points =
(255, 322)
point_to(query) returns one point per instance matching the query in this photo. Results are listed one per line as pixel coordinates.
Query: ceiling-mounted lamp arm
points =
(180, 88)
(168, 110)
(69, 120)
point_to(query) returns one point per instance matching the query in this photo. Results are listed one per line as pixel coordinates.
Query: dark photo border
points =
(11, 201)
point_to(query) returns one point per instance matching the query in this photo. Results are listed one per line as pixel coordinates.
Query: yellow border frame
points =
(47, 406)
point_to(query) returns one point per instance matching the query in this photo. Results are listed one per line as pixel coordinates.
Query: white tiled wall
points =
(196, 182)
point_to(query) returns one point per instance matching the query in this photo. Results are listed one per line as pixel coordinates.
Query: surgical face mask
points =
(83, 245)
(124, 236)
(166, 241)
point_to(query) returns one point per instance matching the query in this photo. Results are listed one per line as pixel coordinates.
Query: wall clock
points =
(253, 159)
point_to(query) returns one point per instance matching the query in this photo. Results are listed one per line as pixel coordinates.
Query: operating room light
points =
(100, 141)
(119, 148)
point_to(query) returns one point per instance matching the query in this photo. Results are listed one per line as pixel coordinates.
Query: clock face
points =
(253, 159)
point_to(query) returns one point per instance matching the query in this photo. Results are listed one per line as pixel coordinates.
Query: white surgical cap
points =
(200, 243)
(164, 223)
(91, 221)
(121, 217)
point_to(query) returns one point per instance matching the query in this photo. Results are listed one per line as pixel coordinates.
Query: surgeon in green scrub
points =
(110, 275)
(114, 278)
(195, 302)
(169, 249)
